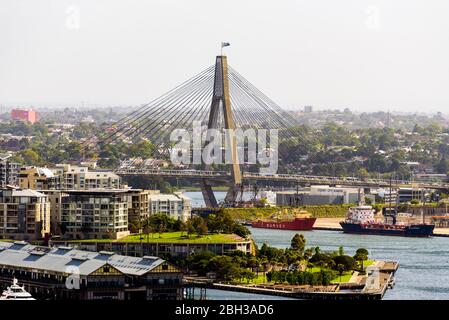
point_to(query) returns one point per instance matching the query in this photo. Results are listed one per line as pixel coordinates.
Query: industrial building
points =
(319, 195)
(69, 273)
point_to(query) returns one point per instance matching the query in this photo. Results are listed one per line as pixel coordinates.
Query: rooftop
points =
(64, 259)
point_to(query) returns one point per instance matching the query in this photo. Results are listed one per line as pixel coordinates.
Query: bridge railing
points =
(280, 177)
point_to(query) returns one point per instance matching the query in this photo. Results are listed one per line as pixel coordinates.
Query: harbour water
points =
(423, 263)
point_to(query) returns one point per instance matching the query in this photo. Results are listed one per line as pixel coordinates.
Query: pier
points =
(361, 287)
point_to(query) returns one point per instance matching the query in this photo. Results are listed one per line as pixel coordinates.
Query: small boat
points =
(16, 292)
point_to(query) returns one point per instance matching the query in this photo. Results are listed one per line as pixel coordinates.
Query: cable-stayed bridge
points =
(218, 98)
(279, 177)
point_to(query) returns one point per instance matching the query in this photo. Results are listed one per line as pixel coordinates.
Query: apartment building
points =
(95, 214)
(24, 214)
(8, 172)
(38, 179)
(80, 178)
(140, 207)
(55, 199)
(174, 205)
(67, 177)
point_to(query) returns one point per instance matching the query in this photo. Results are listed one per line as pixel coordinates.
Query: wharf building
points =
(69, 273)
(176, 249)
(24, 214)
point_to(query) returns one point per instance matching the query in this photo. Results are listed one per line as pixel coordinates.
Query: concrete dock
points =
(371, 286)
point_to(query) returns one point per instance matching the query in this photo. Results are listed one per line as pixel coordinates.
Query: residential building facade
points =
(95, 214)
(80, 178)
(24, 214)
(174, 205)
(38, 179)
(8, 172)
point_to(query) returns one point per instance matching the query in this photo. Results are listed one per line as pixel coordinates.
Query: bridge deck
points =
(309, 179)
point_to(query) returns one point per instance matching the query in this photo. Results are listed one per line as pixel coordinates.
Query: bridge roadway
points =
(294, 178)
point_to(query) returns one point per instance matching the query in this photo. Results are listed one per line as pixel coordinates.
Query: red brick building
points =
(24, 115)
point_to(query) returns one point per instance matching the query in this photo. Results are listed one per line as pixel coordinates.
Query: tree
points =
(348, 262)
(30, 157)
(341, 269)
(298, 243)
(361, 255)
(182, 227)
(190, 228)
(241, 230)
(201, 229)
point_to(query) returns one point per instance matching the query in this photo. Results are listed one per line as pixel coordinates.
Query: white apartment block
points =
(80, 178)
(174, 205)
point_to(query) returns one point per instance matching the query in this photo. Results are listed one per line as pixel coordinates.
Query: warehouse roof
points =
(65, 259)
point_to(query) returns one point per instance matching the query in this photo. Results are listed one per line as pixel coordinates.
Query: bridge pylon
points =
(221, 101)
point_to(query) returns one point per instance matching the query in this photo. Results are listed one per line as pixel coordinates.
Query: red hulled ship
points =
(300, 222)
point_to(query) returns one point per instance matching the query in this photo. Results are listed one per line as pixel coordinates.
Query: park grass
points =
(344, 278)
(368, 263)
(173, 237)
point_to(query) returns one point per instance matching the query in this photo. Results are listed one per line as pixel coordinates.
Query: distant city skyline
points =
(363, 55)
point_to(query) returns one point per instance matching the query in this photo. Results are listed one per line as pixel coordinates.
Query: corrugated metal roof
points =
(63, 260)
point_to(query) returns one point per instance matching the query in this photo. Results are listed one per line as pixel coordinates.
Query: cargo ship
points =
(360, 220)
(300, 222)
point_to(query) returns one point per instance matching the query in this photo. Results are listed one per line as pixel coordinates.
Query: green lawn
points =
(169, 237)
(368, 263)
(344, 278)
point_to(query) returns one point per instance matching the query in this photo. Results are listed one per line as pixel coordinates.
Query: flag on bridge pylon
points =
(225, 44)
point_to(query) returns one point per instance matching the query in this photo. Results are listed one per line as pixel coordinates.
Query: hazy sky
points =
(365, 55)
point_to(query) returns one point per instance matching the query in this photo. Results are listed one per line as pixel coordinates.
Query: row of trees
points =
(294, 265)
(295, 277)
(220, 222)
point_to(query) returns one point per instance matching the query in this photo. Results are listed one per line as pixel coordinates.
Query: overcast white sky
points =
(365, 55)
